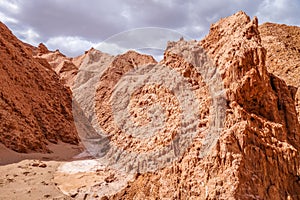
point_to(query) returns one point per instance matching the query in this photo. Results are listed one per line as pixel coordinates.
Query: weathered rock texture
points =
(35, 107)
(90, 66)
(61, 64)
(283, 55)
(119, 66)
(257, 154)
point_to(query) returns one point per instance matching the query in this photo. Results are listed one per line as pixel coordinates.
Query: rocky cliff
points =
(283, 54)
(257, 153)
(253, 153)
(62, 65)
(255, 156)
(35, 107)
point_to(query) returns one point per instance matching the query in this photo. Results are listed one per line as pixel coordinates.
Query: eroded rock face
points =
(62, 65)
(97, 73)
(35, 107)
(283, 55)
(257, 154)
(110, 77)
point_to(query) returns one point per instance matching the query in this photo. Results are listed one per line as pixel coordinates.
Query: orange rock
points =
(62, 65)
(257, 154)
(35, 107)
(283, 55)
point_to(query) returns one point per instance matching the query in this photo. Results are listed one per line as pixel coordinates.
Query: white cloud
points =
(5, 19)
(145, 40)
(72, 45)
(29, 36)
(140, 38)
(110, 48)
(279, 11)
(10, 5)
(74, 26)
(151, 40)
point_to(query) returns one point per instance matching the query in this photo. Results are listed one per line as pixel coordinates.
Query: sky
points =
(74, 26)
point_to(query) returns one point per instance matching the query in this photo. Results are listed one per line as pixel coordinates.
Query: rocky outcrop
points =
(90, 67)
(62, 65)
(283, 55)
(35, 107)
(121, 65)
(254, 156)
(257, 153)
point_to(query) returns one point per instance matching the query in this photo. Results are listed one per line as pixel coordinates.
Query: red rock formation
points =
(61, 64)
(257, 154)
(35, 108)
(283, 55)
(119, 66)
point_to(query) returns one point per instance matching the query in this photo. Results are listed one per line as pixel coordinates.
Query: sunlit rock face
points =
(257, 154)
(246, 134)
(35, 107)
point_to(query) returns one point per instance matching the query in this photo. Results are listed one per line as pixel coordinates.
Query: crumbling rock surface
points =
(283, 55)
(257, 154)
(35, 107)
(110, 77)
(61, 64)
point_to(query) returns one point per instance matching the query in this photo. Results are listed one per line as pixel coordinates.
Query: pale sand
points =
(20, 179)
(67, 173)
